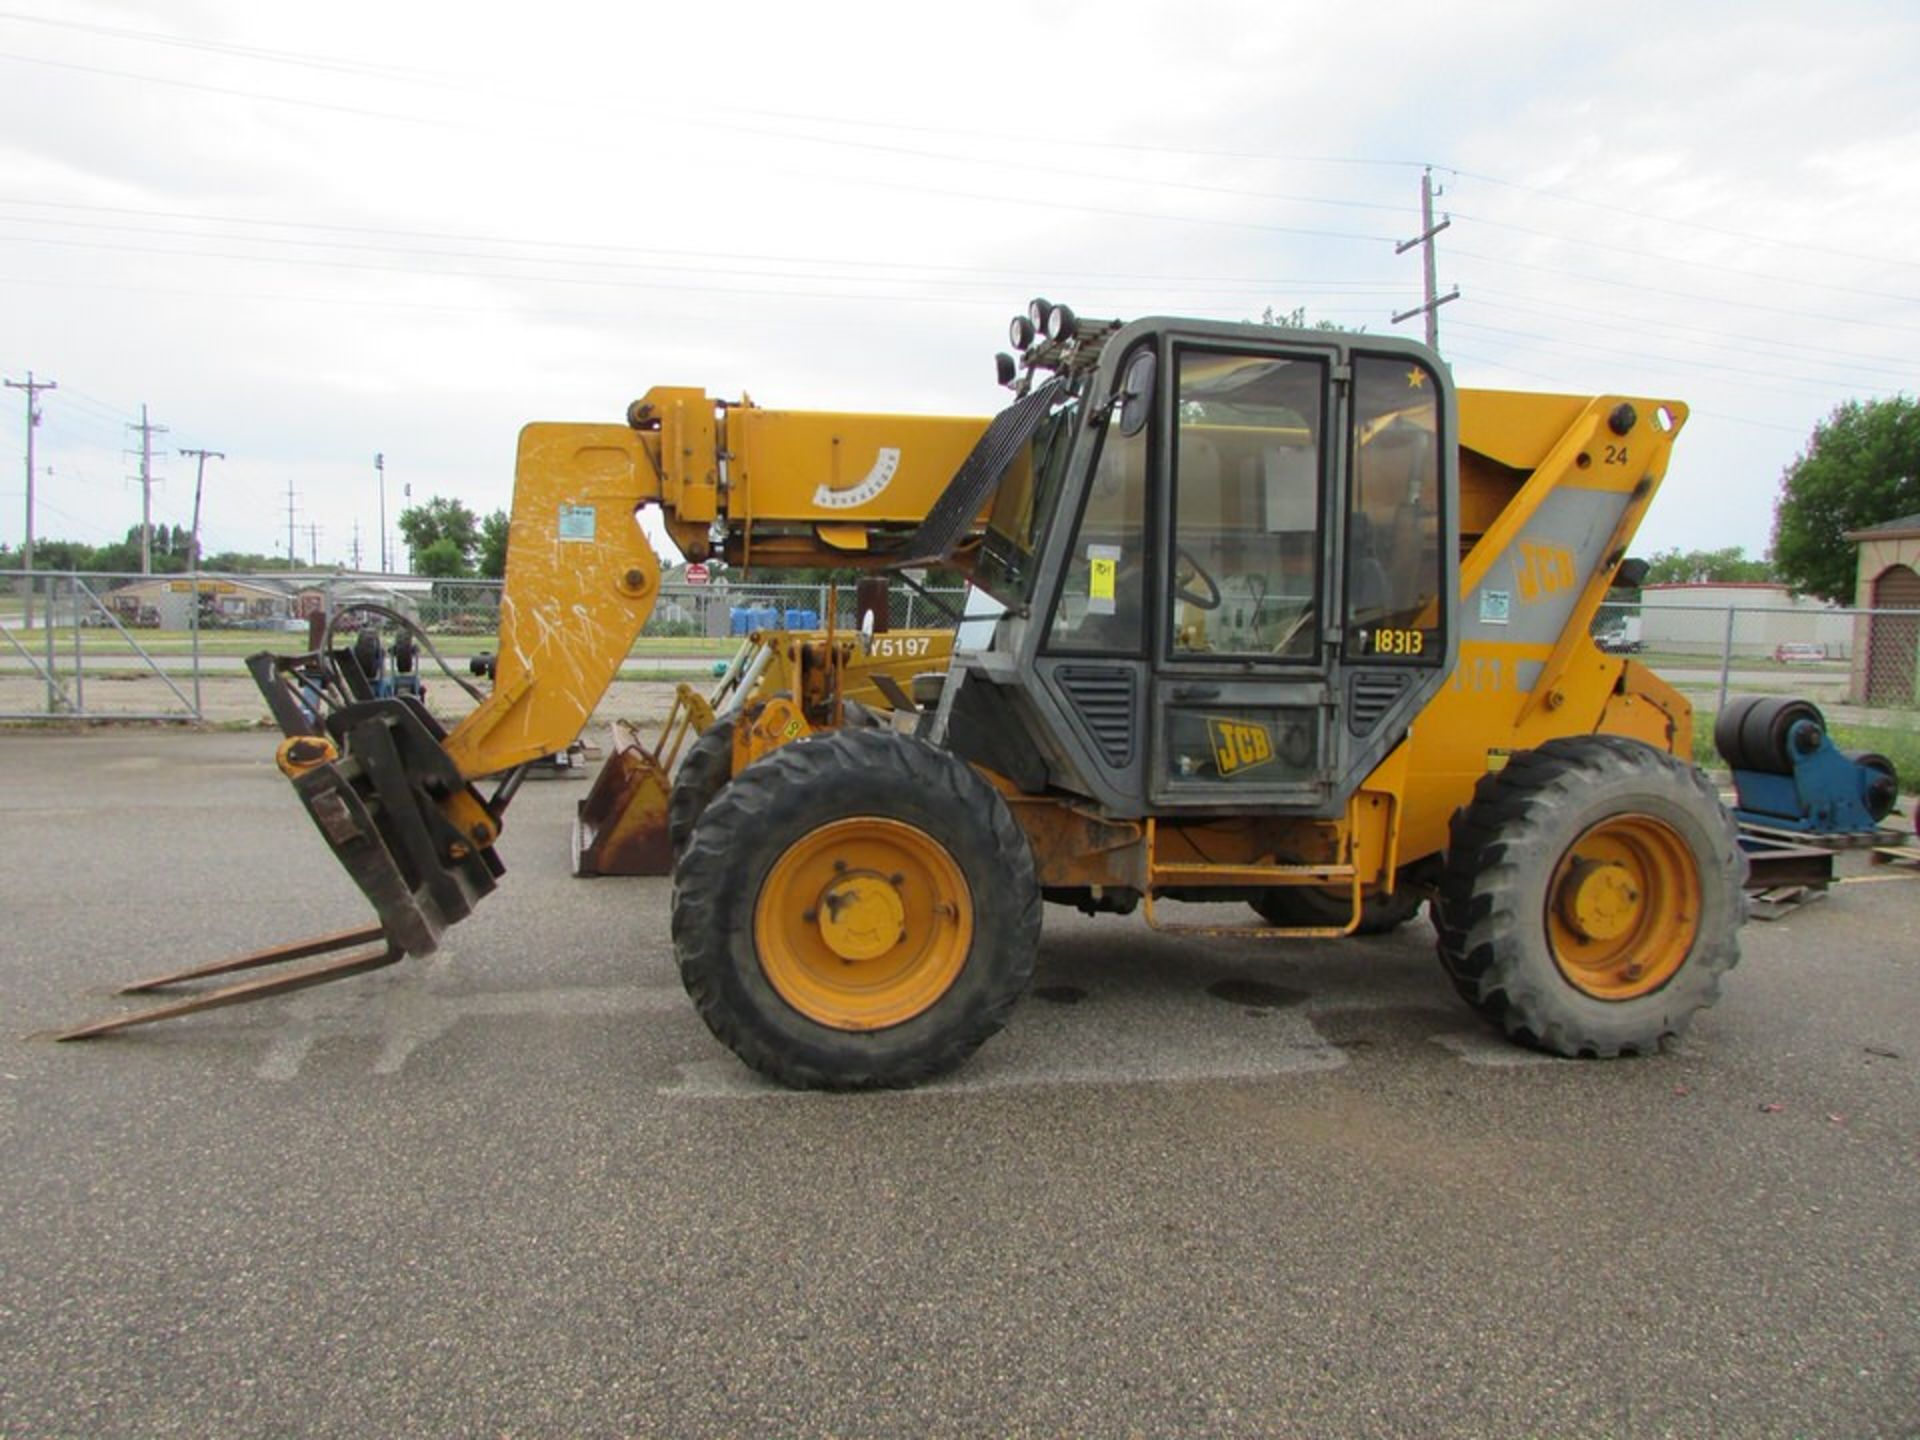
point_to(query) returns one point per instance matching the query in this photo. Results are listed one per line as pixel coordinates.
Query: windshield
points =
(1022, 508)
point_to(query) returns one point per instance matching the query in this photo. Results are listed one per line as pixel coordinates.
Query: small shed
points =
(1887, 578)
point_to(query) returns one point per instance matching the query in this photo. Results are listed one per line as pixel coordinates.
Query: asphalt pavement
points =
(1199, 1187)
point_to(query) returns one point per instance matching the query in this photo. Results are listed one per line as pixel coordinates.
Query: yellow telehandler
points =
(1283, 620)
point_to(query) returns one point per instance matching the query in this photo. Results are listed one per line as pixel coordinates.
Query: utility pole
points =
(313, 529)
(1425, 241)
(380, 468)
(147, 431)
(199, 475)
(293, 556)
(356, 545)
(33, 387)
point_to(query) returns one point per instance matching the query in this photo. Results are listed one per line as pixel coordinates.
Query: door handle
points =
(1196, 692)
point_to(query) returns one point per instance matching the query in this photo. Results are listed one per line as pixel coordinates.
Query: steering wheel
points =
(1207, 600)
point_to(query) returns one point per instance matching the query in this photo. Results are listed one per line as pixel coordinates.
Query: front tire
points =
(856, 910)
(1592, 897)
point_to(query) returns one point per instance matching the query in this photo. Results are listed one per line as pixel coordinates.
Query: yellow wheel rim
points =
(863, 923)
(1623, 908)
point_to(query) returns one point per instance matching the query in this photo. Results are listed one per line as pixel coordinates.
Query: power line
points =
(1676, 331)
(864, 181)
(1254, 286)
(414, 77)
(1612, 208)
(1685, 294)
(1714, 265)
(1560, 343)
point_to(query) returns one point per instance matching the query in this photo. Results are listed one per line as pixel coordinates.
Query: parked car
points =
(1799, 654)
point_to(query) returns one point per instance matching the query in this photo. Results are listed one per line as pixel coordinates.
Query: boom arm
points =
(760, 487)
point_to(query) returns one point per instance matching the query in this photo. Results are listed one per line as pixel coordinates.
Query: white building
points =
(1692, 619)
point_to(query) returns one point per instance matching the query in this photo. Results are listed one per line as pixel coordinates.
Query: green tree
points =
(1296, 319)
(1729, 566)
(493, 545)
(1861, 467)
(240, 561)
(441, 520)
(442, 560)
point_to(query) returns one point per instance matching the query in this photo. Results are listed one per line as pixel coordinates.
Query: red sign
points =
(696, 574)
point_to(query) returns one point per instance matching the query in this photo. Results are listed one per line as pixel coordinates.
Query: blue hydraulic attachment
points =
(1788, 775)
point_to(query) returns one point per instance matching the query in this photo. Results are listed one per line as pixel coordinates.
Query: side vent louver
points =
(1370, 695)
(1103, 699)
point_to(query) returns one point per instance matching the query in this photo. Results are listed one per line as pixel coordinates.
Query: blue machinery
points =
(1787, 775)
(1798, 799)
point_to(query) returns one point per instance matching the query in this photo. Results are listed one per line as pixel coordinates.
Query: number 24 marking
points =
(1616, 455)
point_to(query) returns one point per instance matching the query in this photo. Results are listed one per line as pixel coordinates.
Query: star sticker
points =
(1416, 379)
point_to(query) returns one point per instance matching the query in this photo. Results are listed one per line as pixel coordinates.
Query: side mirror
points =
(1135, 397)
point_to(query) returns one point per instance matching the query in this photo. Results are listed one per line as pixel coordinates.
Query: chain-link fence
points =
(1863, 657)
(148, 647)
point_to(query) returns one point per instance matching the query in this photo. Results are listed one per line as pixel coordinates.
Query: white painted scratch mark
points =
(406, 1019)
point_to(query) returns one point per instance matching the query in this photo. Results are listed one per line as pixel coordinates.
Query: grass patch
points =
(637, 672)
(1900, 745)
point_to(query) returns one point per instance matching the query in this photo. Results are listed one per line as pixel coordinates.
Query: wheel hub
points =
(863, 923)
(861, 916)
(1599, 899)
(1623, 907)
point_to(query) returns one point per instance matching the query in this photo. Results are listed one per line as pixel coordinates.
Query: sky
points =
(304, 236)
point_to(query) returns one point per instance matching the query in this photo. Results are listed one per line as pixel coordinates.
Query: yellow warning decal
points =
(1101, 570)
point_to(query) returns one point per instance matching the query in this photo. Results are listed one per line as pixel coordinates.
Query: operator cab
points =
(1229, 570)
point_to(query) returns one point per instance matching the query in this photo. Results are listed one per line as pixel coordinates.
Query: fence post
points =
(193, 625)
(79, 661)
(47, 615)
(1726, 660)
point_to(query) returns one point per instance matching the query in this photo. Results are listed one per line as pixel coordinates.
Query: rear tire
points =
(1592, 897)
(856, 910)
(703, 774)
(1300, 905)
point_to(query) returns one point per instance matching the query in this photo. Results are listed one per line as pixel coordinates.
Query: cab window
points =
(1102, 603)
(1394, 529)
(1247, 461)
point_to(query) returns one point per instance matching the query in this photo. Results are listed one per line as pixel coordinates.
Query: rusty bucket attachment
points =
(620, 828)
(407, 826)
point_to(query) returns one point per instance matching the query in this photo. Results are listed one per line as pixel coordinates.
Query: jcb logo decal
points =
(1239, 745)
(1542, 570)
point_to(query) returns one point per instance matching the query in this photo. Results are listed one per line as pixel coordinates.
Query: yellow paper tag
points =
(1100, 573)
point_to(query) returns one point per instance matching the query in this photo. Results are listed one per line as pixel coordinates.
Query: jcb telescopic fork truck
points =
(1287, 621)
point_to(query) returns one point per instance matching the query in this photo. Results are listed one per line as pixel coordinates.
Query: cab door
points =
(1244, 643)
